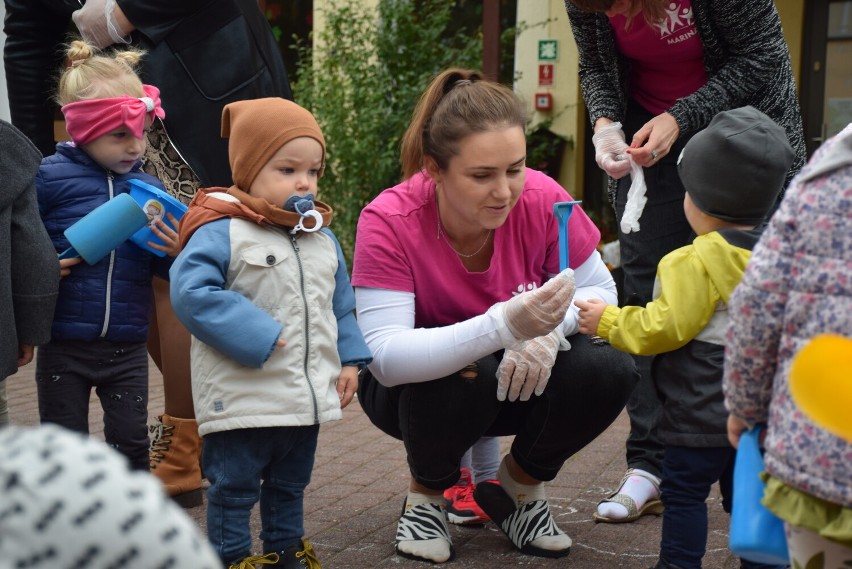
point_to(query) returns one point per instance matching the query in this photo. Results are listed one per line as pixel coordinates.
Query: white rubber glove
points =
(610, 150)
(97, 24)
(636, 199)
(535, 313)
(526, 369)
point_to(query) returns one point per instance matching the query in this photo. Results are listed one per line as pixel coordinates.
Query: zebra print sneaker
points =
(521, 525)
(427, 524)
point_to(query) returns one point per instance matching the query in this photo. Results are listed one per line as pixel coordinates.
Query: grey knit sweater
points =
(745, 55)
(29, 269)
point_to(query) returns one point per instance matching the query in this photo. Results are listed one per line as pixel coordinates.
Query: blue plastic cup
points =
(104, 228)
(156, 204)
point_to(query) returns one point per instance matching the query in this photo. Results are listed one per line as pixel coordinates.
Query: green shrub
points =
(362, 80)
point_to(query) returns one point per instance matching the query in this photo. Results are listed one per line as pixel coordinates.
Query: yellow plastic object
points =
(821, 383)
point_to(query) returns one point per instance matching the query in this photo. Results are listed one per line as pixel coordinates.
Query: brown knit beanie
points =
(258, 128)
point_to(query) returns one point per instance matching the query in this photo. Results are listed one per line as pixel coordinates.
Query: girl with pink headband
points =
(100, 326)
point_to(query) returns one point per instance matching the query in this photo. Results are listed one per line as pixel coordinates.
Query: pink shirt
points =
(667, 60)
(397, 248)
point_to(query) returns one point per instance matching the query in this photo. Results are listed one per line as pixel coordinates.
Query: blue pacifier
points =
(304, 206)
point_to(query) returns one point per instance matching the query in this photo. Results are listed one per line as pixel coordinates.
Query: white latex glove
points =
(97, 24)
(636, 199)
(526, 369)
(610, 150)
(535, 313)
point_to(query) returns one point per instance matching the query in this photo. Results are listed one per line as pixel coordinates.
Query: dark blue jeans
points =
(67, 371)
(439, 420)
(688, 474)
(272, 464)
(663, 228)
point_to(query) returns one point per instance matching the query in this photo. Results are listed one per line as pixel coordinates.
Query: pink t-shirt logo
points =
(679, 24)
(522, 288)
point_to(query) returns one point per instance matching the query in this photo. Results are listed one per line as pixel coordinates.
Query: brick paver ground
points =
(359, 483)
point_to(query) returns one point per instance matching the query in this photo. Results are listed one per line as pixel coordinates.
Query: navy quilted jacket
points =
(111, 299)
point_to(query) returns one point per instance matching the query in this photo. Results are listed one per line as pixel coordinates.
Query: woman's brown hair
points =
(456, 104)
(654, 11)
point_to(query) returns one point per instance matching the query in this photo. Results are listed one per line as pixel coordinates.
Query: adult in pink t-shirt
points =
(441, 261)
(653, 73)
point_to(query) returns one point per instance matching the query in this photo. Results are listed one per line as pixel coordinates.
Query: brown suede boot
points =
(174, 454)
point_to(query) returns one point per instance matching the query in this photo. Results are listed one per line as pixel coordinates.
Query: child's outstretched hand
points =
(168, 234)
(347, 384)
(66, 264)
(590, 314)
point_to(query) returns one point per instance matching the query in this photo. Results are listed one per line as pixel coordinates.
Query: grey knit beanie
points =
(735, 168)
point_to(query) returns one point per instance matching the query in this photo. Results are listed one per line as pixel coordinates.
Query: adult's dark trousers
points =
(439, 420)
(663, 228)
(66, 372)
(688, 475)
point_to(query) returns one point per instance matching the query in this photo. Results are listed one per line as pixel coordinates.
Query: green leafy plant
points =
(545, 148)
(361, 79)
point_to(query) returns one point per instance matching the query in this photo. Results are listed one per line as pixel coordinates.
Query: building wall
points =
(792, 17)
(546, 19)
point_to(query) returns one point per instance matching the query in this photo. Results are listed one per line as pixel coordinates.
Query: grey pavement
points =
(360, 479)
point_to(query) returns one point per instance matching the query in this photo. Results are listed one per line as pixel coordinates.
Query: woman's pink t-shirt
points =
(667, 60)
(397, 248)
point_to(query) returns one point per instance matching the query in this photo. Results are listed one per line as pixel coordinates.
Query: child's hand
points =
(66, 264)
(280, 343)
(167, 235)
(347, 385)
(736, 426)
(590, 314)
(25, 354)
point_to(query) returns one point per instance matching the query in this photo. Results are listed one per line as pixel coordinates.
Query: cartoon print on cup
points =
(154, 210)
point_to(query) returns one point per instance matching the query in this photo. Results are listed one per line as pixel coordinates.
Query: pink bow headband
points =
(89, 119)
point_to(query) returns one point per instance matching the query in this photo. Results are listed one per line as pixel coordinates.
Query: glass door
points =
(837, 104)
(826, 85)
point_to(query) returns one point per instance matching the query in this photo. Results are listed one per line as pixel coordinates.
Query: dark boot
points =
(174, 454)
(298, 557)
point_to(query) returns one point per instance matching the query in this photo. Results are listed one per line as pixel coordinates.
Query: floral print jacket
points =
(798, 284)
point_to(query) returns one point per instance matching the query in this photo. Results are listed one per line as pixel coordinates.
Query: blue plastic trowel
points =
(563, 210)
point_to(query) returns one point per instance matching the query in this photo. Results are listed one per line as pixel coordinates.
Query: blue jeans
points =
(688, 474)
(272, 464)
(663, 229)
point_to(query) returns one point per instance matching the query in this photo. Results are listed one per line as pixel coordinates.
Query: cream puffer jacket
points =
(238, 287)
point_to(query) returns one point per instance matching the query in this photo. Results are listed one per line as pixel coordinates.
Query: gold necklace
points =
(456, 251)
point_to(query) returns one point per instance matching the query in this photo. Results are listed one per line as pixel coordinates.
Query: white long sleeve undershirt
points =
(403, 354)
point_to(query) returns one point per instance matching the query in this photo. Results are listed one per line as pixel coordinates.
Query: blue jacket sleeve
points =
(221, 318)
(351, 346)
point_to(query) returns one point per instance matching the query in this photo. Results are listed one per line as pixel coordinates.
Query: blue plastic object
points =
(563, 210)
(103, 229)
(299, 204)
(155, 203)
(756, 534)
